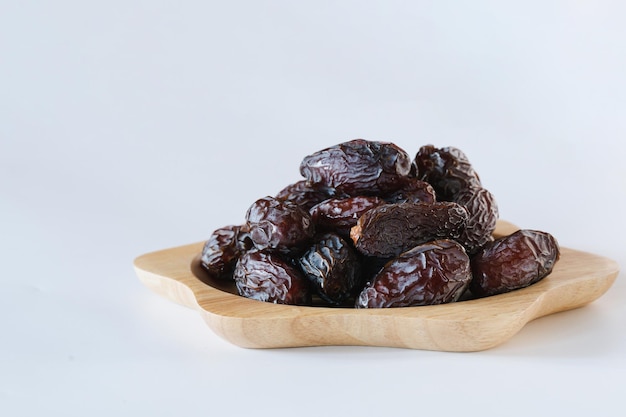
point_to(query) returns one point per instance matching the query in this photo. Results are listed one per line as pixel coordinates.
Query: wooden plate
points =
(577, 279)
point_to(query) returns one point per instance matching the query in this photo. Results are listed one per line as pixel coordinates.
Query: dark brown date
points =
(333, 268)
(447, 169)
(304, 194)
(512, 262)
(436, 272)
(366, 213)
(391, 229)
(221, 251)
(341, 214)
(358, 167)
(280, 225)
(482, 213)
(413, 191)
(267, 276)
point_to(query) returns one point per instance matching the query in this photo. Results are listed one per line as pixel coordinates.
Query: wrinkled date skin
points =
(358, 167)
(482, 212)
(413, 191)
(366, 213)
(221, 251)
(512, 262)
(266, 276)
(304, 194)
(447, 169)
(279, 225)
(391, 229)
(436, 272)
(333, 268)
(341, 214)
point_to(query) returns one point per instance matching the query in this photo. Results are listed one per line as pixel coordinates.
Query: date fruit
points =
(367, 222)
(304, 194)
(513, 262)
(358, 167)
(280, 225)
(341, 214)
(413, 191)
(482, 218)
(436, 272)
(391, 229)
(221, 251)
(267, 276)
(447, 169)
(333, 268)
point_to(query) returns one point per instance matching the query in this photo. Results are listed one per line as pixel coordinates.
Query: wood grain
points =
(577, 279)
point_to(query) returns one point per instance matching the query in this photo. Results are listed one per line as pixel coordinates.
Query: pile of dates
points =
(370, 227)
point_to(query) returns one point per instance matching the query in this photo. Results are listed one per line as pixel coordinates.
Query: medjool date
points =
(413, 191)
(221, 251)
(341, 214)
(358, 167)
(482, 213)
(267, 276)
(512, 262)
(333, 268)
(436, 272)
(391, 229)
(447, 169)
(280, 225)
(304, 194)
(366, 213)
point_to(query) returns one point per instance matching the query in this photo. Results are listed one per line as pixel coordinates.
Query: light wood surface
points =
(577, 279)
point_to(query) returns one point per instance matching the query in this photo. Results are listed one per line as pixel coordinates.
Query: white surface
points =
(128, 127)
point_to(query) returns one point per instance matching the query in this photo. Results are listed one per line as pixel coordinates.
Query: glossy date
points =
(413, 191)
(277, 224)
(221, 251)
(358, 167)
(267, 276)
(482, 211)
(513, 262)
(447, 169)
(333, 268)
(367, 221)
(432, 273)
(391, 229)
(304, 194)
(339, 215)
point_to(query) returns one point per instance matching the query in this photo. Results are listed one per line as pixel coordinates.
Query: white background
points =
(132, 126)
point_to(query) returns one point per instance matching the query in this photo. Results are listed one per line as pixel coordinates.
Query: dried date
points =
(391, 229)
(221, 251)
(366, 213)
(341, 214)
(280, 225)
(413, 191)
(267, 276)
(482, 212)
(436, 272)
(358, 167)
(512, 262)
(304, 194)
(447, 169)
(333, 268)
